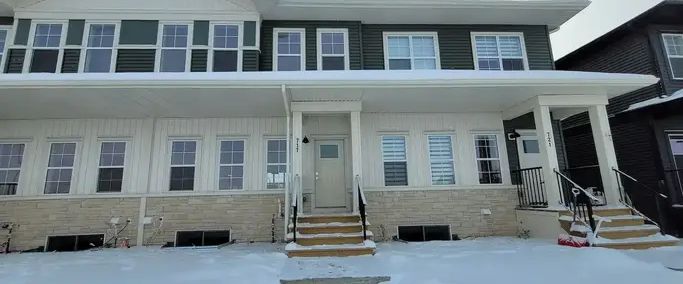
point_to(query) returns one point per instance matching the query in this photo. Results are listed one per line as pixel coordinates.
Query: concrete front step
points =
(327, 228)
(332, 218)
(364, 248)
(653, 241)
(605, 212)
(329, 239)
(628, 232)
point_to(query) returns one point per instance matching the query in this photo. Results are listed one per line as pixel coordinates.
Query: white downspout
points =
(285, 99)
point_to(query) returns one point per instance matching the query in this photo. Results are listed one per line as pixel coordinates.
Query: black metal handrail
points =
(295, 206)
(674, 177)
(628, 201)
(362, 203)
(577, 200)
(530, 187)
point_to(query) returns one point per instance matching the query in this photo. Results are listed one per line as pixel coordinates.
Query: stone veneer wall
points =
(248, 217)
(38, 219)
(461, 209)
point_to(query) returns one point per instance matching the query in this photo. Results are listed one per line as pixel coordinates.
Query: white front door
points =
(528, 149)
(330, 186)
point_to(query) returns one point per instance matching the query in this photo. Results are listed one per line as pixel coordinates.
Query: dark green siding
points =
(135, 60)
(250, 60)
(74, 35)
(21, 34)
(200, 35)
(70, 62)
(198, 62)
(138, 32)
(455, 44)
(249, 33)
(311, 48)
(15, 60)
(6, 21)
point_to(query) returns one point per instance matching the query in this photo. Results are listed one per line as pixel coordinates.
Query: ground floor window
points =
(488, 158)
(74, 242)
(110, 176)
(276, 163)
(441, 159)
(231, 168)
(183, 159)
(11, 157)
(60, 168)
(395, 160)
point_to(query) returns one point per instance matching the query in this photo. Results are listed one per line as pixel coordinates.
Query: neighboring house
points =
(208, 121)
(647, 124)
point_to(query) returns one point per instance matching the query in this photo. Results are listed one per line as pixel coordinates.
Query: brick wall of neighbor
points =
(38, 219)
(248, 217)
(461, 209)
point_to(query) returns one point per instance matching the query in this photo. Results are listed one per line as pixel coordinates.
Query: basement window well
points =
(424, 233)
(202, 238)
(74, 242)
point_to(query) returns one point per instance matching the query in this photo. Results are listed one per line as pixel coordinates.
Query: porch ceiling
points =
(30, 96)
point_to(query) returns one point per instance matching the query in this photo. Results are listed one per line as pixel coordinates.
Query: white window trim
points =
(381, 151)
(453, 159)
(219, 164)
(668, 54)
(437, 52)
(9, 41)
(302, 32)
(211, 49)
(32, 37)
(473, 36)
(124, 166)
(274, 138)
(84, 45)
(160, 45)
(23, 162)
(197, 155)
(74, 168)
(319, 51)
(477, 159)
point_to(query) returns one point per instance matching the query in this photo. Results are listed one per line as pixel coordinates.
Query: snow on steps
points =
(365, 248)
(329, 239)
(652, 241)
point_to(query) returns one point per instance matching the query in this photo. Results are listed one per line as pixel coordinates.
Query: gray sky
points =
(599, 18)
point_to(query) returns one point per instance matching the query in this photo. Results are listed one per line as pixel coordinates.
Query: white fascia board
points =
(139, 14)
(329, 107)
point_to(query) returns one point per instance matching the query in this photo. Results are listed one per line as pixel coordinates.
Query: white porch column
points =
(546, 141)
(297, 156)
(604, 147)
(356, 154)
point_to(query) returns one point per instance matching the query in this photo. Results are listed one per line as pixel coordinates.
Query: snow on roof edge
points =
(655, 101)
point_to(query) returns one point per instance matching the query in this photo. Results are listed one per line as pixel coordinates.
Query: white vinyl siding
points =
(99, 48)
(395, 160)
(441, 159)
(276, 156)
(231, 165)
(411, 51)
(111, 166)
(499, 51)
(673, 43)
(183, 162)
(288, 50)
(174, 51)
(488, 158)
(333, 49)
(60, 168)
(11, 158)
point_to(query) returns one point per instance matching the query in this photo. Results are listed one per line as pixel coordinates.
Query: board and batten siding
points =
(87, 133)
(455, 44)
(416, 127)
(207, 133)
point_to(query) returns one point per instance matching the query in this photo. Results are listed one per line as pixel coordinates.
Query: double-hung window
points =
(47, 40)
(174, 52)
(502, 52)
(3, 41)
(417, 51)
(112, 158)
(395, 160)
(11, 157)
(673, 43)
(99, 48)
(231, 168)
(333, 49)
(441, 159)
(488, 158)
(225, 44)
(276, 168)
(60, 168)
(289, 52)
(183, 159)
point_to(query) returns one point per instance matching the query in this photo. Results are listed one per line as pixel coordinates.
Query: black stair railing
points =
(530, 187)
(674, 178)
(579, 201)
(635, 184)
(362, 203)
(295, 205)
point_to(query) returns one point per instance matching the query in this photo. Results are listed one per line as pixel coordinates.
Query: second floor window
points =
(47, 41)
(225, 48)
(174, 40)
(333, 49)
(99, 48)
(673, 44)
(3, 41)
(289, 50)
(499, 52)
(411, 51)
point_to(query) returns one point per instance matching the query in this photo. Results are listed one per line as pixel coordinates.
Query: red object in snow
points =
(571, 241)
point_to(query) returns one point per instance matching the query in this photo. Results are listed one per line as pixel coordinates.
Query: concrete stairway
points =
(625, 230)
(329, 235)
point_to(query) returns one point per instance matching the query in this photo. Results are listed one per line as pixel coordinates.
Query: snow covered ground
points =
(489, 260)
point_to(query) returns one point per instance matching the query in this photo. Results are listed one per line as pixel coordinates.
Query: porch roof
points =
(260, 93)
